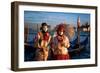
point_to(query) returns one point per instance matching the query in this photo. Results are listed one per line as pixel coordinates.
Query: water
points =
(84, 41)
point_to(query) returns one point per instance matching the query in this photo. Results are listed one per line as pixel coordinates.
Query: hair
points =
(60, 27)
(43, 24)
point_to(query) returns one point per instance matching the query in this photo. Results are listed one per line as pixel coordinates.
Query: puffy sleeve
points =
(36, 40)
(67, 44)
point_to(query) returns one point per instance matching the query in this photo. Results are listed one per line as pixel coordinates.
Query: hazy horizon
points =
(54, 18)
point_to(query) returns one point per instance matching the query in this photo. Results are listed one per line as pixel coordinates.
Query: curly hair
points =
(61, 27)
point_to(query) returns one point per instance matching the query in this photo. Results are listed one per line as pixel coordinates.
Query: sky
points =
(55, 18)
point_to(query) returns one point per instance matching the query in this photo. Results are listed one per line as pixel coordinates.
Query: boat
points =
(77, 48)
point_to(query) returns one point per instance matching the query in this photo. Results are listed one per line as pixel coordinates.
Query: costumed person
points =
(60, 44)
(42, 43)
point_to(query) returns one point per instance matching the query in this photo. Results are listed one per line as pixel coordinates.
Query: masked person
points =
(42, 43)
(60, 44)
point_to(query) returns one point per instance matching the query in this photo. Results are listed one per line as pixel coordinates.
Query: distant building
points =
(85, 27)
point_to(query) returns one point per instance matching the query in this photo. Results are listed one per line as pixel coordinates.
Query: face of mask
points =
(45, 28)
(60, 32)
